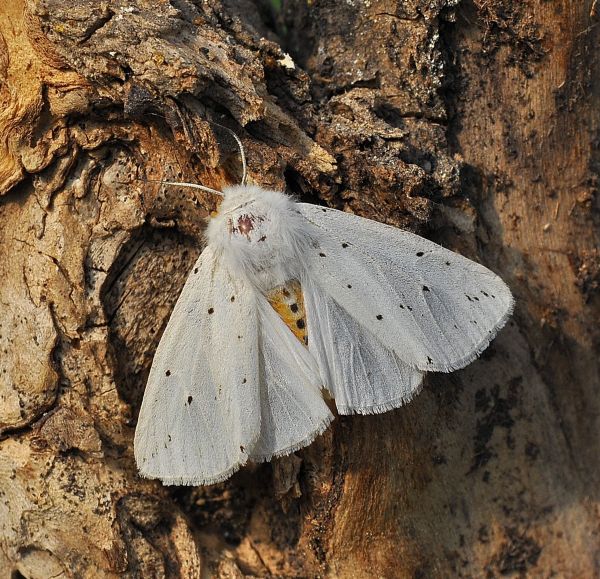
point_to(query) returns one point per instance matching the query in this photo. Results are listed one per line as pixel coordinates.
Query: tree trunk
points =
(474, 123)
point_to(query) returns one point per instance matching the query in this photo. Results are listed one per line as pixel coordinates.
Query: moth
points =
(289, 302)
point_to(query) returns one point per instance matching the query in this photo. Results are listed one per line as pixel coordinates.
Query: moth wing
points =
(436, 309)
(201, 407)
(292, 408)
(362, 374)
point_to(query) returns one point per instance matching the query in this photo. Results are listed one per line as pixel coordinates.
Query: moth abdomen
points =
(288, 301)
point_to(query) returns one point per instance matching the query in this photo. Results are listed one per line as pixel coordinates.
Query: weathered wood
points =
(476, 124)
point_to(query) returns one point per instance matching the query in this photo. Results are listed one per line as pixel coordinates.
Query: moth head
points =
(258, 231)
(250, 215)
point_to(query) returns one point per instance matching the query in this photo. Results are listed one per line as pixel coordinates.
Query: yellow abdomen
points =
(287, 300)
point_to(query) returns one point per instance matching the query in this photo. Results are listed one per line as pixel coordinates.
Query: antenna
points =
(202, 187)
(184, 184)
(240, 145)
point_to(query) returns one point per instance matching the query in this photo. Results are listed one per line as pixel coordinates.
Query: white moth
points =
(288, 300)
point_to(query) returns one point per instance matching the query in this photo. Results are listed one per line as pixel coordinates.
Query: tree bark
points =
(474, 123)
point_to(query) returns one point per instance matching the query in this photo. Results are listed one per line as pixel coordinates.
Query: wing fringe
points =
(298, 445)
(483, 344)
(196, 480)
(384, 406)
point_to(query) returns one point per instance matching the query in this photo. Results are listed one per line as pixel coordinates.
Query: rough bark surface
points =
(474, 123)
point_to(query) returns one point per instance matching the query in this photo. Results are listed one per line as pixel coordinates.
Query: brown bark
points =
(476, 124)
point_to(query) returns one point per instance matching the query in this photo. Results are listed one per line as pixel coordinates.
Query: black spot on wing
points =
(379, 317)
(195, 270)
(211, 310)
(168, 373)
(300, 324)
(189, 399)
(344, 245)
(426, 289)
(232, 298)
(349, 286)
(294, 308)
(419, 254)
(322, 255)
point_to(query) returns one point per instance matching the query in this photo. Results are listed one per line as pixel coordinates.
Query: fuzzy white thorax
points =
(260, 234)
